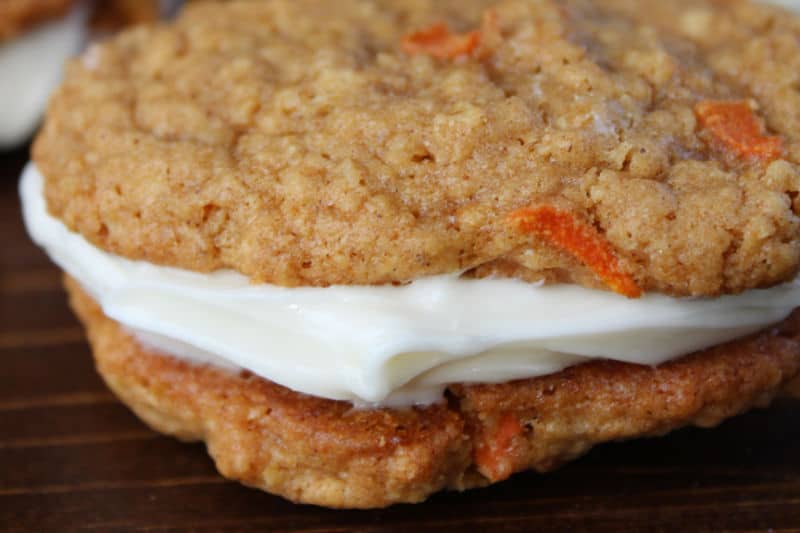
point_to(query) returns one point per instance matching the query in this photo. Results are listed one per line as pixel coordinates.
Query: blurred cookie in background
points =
(112, 15)
(17, 16)
(37, 36)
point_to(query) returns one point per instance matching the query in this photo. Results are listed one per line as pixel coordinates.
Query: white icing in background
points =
(31, 67)
(790, 4)
(392, 345)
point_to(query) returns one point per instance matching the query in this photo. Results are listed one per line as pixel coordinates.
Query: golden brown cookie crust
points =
(16, 16)
(324, 452)
(296, 142)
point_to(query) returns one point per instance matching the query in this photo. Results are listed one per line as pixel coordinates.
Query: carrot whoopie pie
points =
(373, 249)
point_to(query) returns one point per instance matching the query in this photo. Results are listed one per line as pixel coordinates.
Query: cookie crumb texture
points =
(298, 143)
(324, 452)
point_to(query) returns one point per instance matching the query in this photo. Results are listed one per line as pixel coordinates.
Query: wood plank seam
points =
(115, 485)
(58, 400)
(39, 338)
(39, 280)
(77, 440)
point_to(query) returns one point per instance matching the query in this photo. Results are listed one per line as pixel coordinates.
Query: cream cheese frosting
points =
(30, 68)
(391, 345)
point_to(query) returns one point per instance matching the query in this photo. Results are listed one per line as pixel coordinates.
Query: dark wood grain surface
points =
(72, 457)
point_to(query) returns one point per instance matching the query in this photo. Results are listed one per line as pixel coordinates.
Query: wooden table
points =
(72, 457)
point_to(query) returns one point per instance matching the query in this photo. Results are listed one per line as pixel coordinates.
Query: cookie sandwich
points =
(378, 249)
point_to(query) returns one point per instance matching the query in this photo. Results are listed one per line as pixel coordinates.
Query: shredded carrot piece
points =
(508, 428)
(563, 230)
(438, 41)
(735, 125)
(493, 458)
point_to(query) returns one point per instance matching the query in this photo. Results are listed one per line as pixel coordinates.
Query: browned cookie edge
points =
(325, 452)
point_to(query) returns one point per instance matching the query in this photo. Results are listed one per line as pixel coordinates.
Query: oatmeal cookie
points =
(374, 141)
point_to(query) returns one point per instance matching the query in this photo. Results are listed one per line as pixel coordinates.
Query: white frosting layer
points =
(392, 345)
(30, 68)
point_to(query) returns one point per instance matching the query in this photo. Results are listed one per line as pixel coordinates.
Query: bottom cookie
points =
(325, 452)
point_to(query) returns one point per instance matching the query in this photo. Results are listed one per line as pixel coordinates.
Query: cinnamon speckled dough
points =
(16, 16)
(294, 141)
(324, 452)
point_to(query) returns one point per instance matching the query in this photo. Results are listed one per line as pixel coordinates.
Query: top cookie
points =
(17, 16)
(637, 145)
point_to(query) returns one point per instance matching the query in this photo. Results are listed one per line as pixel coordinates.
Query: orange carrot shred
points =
(736, 127)
(583, 241)
(493, 458)
(438, 41)
(508, 428)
